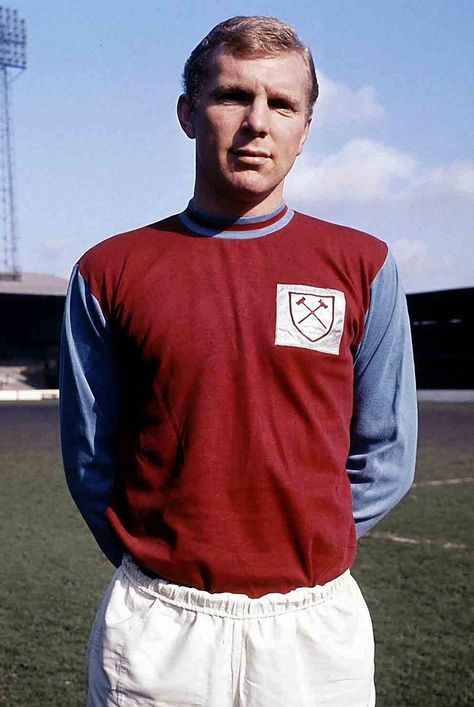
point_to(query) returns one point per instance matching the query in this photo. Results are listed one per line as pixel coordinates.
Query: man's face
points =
(250, 124)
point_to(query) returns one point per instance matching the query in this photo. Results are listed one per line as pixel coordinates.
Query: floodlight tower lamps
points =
(12, 56)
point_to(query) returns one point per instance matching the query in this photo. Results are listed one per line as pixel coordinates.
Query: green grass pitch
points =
(415, 569)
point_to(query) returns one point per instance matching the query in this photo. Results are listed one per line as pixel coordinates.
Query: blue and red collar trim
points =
(202, 224)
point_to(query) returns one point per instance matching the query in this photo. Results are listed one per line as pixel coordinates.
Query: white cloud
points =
(407, 251)
(456, 179)
(339, 105)
(365, 170)
(415, 259)
(362, 170)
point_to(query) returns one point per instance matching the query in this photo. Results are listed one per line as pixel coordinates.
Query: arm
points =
(381, 460)
(88, 410)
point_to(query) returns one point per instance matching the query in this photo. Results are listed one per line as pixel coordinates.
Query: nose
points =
(257, 116)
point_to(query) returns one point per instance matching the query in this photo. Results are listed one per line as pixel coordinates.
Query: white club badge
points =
(310, 317)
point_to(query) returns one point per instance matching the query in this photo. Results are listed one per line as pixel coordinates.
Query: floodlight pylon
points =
(12, 56)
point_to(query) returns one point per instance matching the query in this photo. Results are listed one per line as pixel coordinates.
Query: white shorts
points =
(157, 643)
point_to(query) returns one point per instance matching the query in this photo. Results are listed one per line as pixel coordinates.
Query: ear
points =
(304, 135)
(185, 116)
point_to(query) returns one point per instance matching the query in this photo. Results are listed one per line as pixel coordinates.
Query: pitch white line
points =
(30, 394)
(418, 541)
(443, 482)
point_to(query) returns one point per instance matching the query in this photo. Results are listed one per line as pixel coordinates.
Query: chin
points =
(253, 185)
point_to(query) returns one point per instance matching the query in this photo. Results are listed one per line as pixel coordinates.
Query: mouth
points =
(251, 157)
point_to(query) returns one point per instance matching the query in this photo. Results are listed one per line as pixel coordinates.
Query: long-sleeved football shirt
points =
(237, 397)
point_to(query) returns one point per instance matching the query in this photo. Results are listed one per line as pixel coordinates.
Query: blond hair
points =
(246, 36)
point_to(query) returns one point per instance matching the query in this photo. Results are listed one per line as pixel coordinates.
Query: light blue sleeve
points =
(382, 455)
(89, 410)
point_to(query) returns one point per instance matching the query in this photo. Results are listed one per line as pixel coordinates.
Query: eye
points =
(234, 97)
(280, 104)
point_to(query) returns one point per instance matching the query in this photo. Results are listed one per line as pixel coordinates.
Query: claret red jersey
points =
(233, 382)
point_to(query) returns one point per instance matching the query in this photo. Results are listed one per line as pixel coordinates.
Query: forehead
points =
(285, 71)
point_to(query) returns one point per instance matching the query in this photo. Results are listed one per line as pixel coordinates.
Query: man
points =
(238, 403)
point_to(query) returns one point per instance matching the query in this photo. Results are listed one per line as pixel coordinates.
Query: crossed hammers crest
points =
(312, 312)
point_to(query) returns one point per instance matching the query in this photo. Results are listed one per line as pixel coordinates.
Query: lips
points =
(252, 158)
(250, 153)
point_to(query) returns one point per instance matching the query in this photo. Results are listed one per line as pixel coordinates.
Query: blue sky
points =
(98, 149)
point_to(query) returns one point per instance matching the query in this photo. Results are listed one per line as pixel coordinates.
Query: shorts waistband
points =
(227, 604)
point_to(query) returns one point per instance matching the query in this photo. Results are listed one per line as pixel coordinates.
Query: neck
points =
(236, 205)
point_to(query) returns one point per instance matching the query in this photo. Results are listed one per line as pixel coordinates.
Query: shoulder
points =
(118, 248)
(340, 234)
(109, 265)
(353, 248)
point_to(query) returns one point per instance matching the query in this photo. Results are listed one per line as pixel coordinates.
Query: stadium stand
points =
(31, 310)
